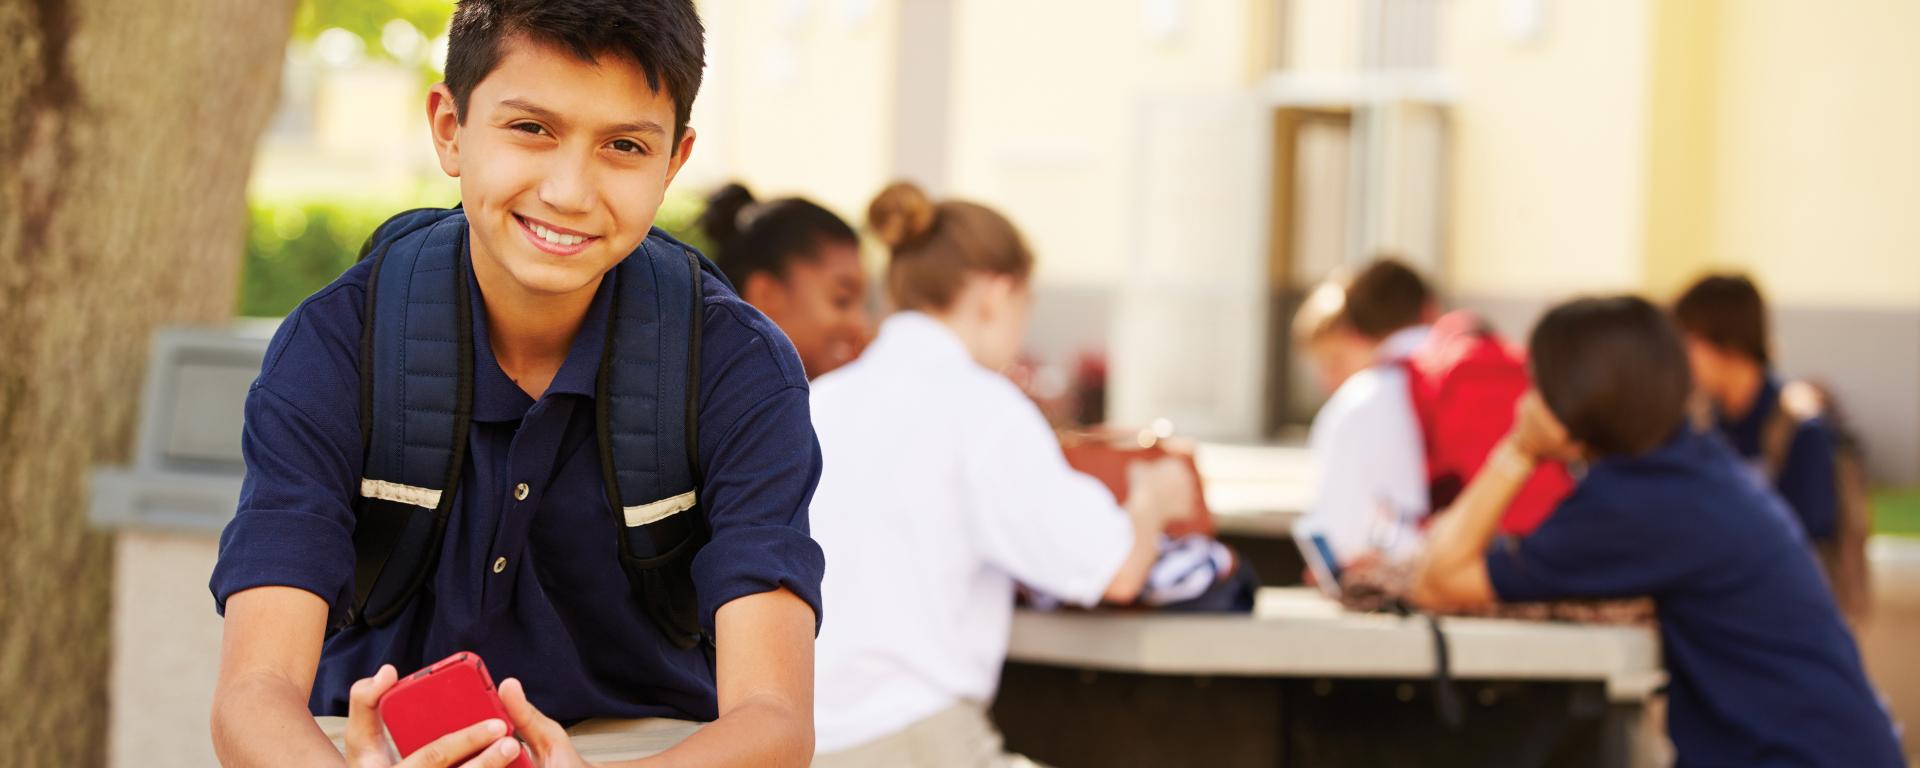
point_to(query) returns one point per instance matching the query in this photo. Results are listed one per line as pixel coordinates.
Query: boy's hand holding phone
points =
(484, 744)
(545, 739)
(450, 714)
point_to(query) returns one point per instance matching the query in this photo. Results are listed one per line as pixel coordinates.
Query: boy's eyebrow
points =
(642, 126)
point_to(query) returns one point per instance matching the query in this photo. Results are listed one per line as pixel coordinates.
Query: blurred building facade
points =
(1185, 168)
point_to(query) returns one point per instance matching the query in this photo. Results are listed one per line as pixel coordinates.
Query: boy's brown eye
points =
(626, 146)
(533, 128)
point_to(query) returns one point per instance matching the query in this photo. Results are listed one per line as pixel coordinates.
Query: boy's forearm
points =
(264, 722)
(1461, 535)
(754, 734)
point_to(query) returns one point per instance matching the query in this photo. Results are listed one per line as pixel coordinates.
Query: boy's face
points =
(1337, 355)
(1712, 366)
(562, 166)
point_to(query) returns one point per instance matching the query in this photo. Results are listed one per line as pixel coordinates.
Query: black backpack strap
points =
(646, 408)
(416, 367)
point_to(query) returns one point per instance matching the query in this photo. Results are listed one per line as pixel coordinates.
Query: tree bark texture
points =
(127, 131)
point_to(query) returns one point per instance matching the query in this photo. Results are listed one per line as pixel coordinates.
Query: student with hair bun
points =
(944, 487)
(800, 265)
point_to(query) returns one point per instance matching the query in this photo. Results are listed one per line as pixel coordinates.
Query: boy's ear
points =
(680, 154)
(443, 121)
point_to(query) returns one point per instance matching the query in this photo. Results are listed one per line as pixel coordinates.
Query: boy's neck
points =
(530, 333)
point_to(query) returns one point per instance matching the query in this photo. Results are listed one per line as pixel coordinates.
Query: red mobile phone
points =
(453, 693)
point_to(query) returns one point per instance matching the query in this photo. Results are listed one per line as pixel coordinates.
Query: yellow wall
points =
(1631, 145)
(797, 100)
(1638, 144)
(1047, 114)
(1818, 174)
(1549, 141)
(1683, 87)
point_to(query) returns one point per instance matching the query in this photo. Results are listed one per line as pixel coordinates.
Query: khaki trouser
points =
(956, 737)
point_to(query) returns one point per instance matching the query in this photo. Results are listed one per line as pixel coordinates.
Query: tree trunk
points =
(127, 130)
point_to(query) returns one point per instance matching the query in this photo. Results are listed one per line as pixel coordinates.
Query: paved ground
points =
(1892, 640)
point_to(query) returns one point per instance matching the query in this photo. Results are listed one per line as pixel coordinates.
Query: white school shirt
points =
(942, 486)
(1370, 469)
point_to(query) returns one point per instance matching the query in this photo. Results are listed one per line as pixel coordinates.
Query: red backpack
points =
(1464, 382)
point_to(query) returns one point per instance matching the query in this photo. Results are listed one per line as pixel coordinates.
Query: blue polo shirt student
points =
(1723, 320)
(1805, 477)
(533, 584)
(565, 122)
(1763, 671)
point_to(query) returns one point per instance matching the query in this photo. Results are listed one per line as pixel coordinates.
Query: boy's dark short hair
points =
(1613, 371)
(1728, 312)
(1385, 296)
(664, 37)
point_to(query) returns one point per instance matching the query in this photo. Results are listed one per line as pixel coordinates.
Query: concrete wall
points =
(166, 650)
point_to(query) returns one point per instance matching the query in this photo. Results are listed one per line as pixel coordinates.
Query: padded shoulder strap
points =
(416, 401)
(647, 411)
(650, 380)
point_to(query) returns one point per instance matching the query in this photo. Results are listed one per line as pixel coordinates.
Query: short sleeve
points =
(1807, 479)
(301, 445)
(760, 464)
(1048, 526)
(1589, 548)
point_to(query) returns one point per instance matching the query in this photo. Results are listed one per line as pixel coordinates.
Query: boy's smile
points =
(552, 238)
(562, 162)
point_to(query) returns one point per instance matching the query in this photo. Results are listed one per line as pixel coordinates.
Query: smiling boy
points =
(564, 122)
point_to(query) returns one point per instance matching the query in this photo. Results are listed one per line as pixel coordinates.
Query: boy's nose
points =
(568, 187)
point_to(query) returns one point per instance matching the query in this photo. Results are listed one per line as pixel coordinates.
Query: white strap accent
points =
(659, 510)
(426, 498)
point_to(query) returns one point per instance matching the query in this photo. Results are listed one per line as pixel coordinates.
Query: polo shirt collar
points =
(497, 398)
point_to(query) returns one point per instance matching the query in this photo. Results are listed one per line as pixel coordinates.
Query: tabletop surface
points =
(1297, 632)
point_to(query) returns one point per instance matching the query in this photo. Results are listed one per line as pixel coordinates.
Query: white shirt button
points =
(520, 492)
(499, 564)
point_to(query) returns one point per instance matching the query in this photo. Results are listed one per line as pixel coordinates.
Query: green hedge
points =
(296, 247)
(1897, 512)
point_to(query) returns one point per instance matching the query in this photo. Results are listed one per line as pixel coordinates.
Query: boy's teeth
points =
(555, 237)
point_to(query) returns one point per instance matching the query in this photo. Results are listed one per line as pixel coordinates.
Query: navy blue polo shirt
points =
(561, 614)
(1806, 478)
(1763, 671)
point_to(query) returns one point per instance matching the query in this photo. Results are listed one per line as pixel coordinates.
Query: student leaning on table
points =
(617, 562)
(942, 487)
(1763, 670)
